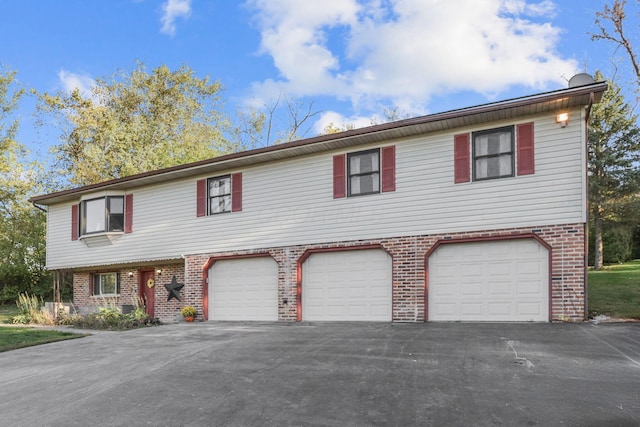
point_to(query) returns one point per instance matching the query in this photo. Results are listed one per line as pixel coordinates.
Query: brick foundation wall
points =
(408, 255)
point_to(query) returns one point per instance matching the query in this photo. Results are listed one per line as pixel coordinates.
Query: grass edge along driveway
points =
(614, 291)
(12, 338)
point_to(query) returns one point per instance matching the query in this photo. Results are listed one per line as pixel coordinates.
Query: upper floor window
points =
(219, 194)
(102, 214)
(106, 284)
(364, 172)
(493, 153)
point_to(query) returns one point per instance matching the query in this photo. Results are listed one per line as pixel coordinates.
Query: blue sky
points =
(351, 58)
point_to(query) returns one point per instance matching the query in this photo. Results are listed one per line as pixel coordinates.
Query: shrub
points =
(110, 317)
(30, 311)
(68, 319)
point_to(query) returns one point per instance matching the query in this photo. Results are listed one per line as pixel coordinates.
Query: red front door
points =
(148, 291)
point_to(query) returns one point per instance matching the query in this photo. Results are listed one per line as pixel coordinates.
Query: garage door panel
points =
(525, 288)
(528, 267)
(489, 281)
(347, 285)
(500, 309)
(354, 292)
(529, 308)
(500, 289)
(497, 269)
(380, 292)
(244, 289)
(470, 269)
(470, 309)
(471, 289)
(443, 290)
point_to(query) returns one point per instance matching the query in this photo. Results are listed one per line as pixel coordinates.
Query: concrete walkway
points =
(351, 374)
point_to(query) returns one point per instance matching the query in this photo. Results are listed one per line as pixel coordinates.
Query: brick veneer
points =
(130, 288)
(409, 255)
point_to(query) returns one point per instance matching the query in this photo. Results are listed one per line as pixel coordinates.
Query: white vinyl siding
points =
(291, 202)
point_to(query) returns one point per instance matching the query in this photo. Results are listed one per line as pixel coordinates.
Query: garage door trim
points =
(205, 275)
(441, 242)
(310, 252)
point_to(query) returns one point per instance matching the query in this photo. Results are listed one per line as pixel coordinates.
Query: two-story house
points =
(476, 214)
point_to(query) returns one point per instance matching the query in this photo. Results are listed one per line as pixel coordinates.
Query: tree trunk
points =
(597, 220)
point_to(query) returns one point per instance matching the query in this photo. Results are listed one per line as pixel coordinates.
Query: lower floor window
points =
(106, 284)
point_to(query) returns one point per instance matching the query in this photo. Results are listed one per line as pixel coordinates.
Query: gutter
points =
(38, 207)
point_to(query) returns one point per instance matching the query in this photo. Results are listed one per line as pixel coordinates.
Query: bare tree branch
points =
(616, 16)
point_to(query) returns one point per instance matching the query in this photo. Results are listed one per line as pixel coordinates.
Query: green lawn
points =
(615, 291)
(12, 338)
(7, 311)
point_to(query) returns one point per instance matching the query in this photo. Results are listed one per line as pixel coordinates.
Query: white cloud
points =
(403, 52)
(70, 81)
(337, 120)
(172, 10)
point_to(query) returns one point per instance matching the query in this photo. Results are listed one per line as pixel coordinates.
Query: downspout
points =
(586, 231)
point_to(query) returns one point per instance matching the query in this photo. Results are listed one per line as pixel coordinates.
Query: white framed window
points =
(493, 153)
(363, 169)
(102, 214)
(106, 284)
(219, 191)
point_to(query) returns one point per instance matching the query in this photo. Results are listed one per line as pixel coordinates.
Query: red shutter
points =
(339, 176)
(526, 163)
(128, 213)
(461, 162)
(74, 222)
(389, 169)
(236, 192)
(201, 197)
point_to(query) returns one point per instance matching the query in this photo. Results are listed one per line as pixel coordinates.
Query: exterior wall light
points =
(563, 119)
(158, 272)
(131, 274)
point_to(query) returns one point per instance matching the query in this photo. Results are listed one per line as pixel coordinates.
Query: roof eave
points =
(509, 109)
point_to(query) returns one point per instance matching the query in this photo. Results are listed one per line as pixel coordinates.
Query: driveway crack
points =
(519, 359)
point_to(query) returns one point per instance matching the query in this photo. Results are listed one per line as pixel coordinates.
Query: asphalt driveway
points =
(351, 374)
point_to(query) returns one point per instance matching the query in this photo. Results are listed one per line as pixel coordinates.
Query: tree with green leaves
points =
(137, 121)
(22, 228)
(614, 178)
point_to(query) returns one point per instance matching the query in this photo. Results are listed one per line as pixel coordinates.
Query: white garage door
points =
(504, 280)
(347, 286)
(244, 289)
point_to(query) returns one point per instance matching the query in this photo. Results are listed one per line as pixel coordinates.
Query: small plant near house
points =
(188, 312)
(110, 317)
(68, 319)
(30, 311)
(138, 312)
